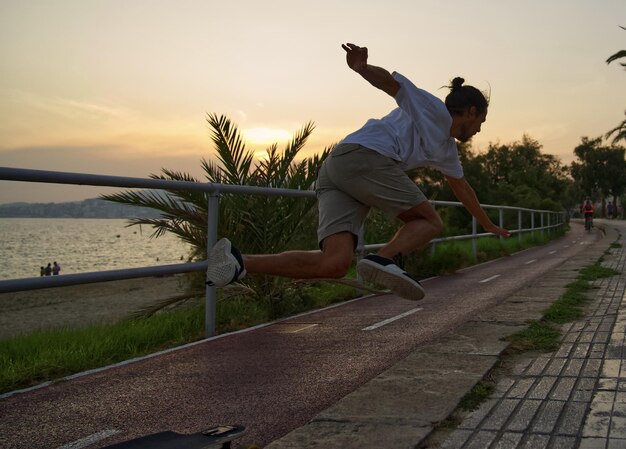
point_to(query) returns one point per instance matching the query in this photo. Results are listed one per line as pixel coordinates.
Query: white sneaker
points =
(225, 264)
(379, 270)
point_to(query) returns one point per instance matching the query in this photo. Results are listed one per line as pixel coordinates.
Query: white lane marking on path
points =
(305, 327)
(530, 261)
(390, 320)
(552, 252)
(489, 279)
(91, 439)
(566, 246)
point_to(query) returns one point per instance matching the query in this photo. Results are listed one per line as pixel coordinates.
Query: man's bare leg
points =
(421, 224)
(332, 262)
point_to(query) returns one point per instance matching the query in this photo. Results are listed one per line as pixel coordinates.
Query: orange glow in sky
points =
(266, 136)
(123, 87)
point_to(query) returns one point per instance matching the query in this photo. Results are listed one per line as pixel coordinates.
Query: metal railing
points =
(548, 221)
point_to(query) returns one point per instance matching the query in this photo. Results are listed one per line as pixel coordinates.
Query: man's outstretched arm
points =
(356, 57)
(466, 195)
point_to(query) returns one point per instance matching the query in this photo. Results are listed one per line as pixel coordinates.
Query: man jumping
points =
(368, 169)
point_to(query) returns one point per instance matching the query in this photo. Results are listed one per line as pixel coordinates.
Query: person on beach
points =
(56, 269)
(42, 271)
(367, 169)
(48, 270)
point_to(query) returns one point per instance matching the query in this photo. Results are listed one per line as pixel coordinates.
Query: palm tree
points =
(257, 224)
(620, 130)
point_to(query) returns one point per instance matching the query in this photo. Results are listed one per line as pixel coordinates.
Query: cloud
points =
(37, 121)
(241, 116)
(66, 107)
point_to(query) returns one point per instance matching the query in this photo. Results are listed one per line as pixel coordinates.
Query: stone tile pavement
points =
(574, 397)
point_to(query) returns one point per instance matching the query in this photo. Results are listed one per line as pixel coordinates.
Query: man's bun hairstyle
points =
(456, 84)
(463, 97)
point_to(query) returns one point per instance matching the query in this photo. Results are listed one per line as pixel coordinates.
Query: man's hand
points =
(498, 231)
(356, 57)
(466, 195)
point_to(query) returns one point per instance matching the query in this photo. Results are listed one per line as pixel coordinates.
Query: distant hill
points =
(91, 208)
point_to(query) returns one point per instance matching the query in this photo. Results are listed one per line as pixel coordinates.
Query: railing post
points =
(549, 228)
(474, 252)
(501, 216)
(519, 225)
(532, 224)
(210, 307)
(541, 216)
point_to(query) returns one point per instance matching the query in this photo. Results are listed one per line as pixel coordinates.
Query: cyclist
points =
(587, 210)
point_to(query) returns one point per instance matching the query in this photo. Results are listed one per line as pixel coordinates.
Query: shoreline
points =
(81, 305)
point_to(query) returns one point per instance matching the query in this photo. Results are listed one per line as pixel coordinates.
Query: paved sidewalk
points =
(574, 397)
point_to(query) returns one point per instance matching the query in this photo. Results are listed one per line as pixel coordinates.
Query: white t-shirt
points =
(416, 134)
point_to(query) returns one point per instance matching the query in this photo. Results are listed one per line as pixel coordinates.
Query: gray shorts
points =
(354, 178)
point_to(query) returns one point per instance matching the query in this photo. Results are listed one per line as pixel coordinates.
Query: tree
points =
(620, 130)
(257, 223)
(600, 170)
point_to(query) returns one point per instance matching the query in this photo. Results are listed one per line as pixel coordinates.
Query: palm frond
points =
(620, 54)
(266, 172)
(226, 293)
(164, 303)
(619, 131)
(289, 154)
(195, 197)
(231, 150)
(213, 171)
(174, 176)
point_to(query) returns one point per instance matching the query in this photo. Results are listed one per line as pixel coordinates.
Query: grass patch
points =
(595, 272)
(543, 335)
(481, 391)
(238, 313)
(538, 336)
(569, 306)
(50, 354)
(449, 257)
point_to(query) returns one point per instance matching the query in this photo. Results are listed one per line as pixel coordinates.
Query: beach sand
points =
(76, 306)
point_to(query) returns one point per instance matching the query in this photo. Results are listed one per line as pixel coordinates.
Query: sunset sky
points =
(122, 87)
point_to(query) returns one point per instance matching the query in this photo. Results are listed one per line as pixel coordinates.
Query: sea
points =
(82, 245)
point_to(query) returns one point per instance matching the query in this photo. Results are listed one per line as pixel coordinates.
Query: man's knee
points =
(338, 267)
(424, 212)
(335, 265)
(338, 250)
(437, 224)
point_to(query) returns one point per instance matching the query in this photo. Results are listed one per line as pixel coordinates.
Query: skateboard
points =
(216, 438)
